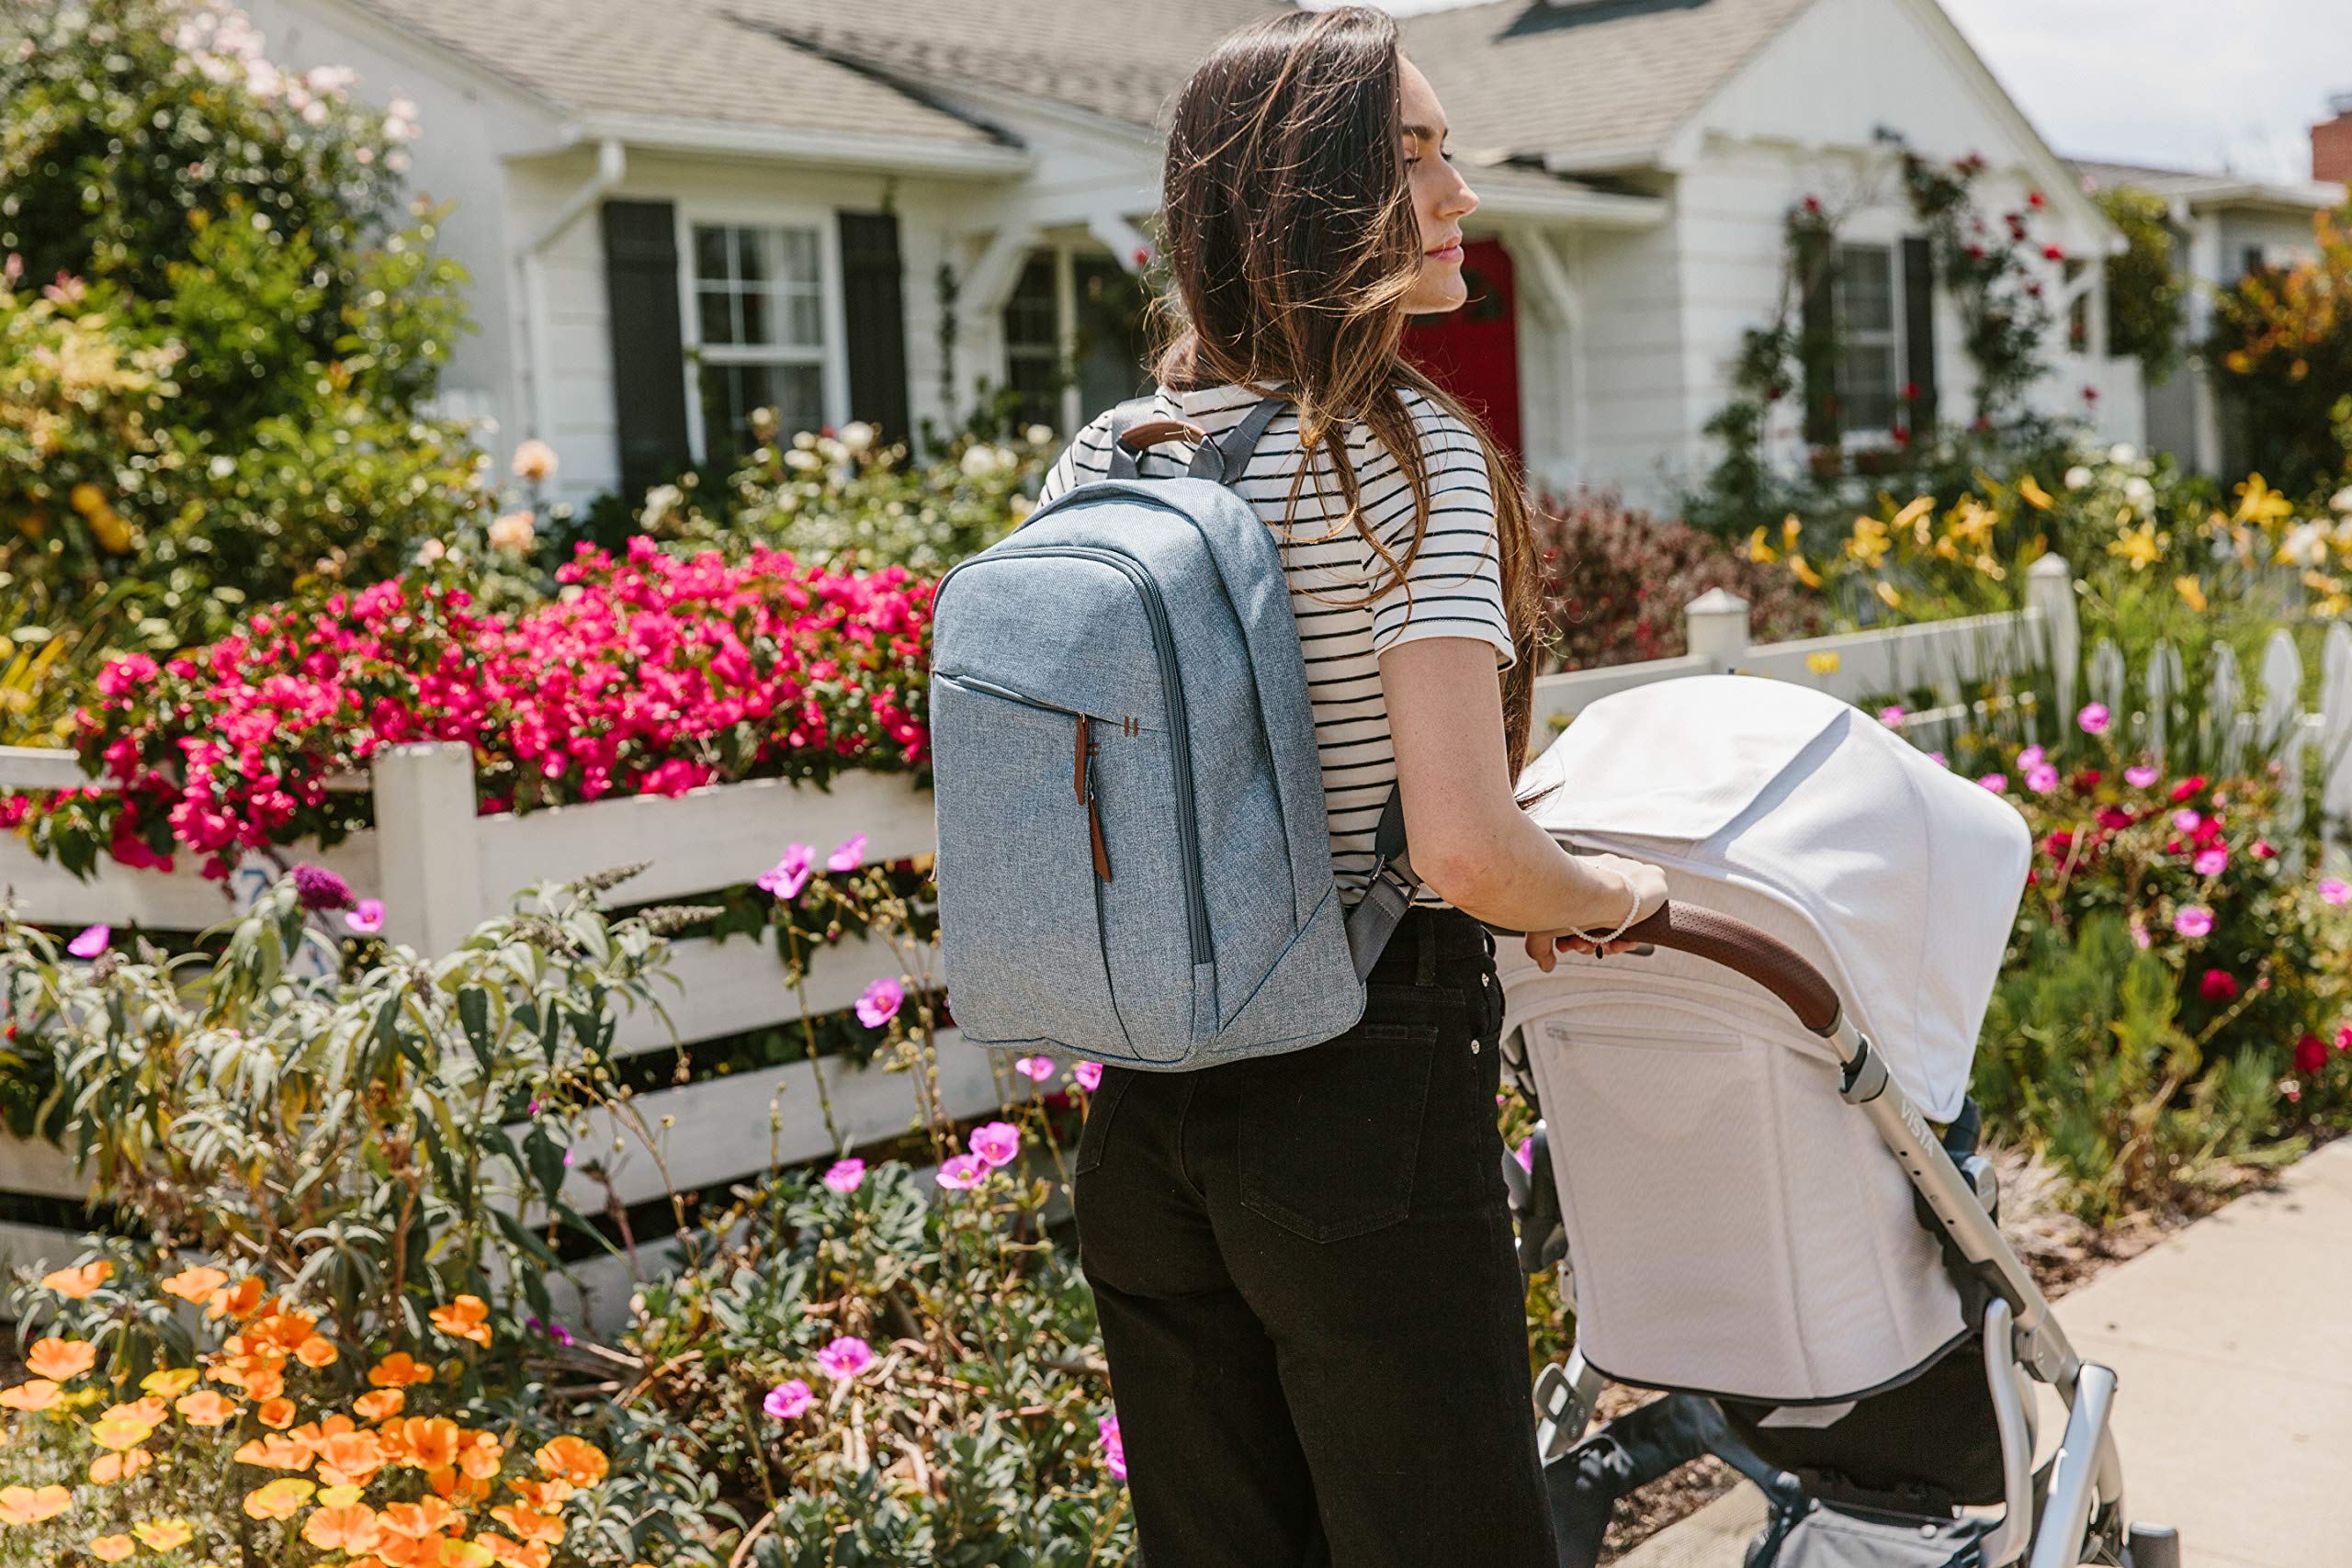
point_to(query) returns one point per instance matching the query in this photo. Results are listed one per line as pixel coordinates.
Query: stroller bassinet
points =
(1736, 1153)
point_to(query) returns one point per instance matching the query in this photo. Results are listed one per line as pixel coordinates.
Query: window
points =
(1869, 352)
(1032, 358)
(759, 315)
(1106, 364)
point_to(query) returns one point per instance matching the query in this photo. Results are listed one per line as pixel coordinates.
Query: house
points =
(677, 212)
(2222, 227)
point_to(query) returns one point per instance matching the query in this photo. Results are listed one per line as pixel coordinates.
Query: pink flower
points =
(960, 1172)
(2094, 718)
(1038, 1069)
(2193, 921)
(844, 1175)
(845, 1356)
(2218, 985)
(1892, 716)
(790, 874)
(786, 1400)
(847, 854)
(92, 942)
(2186, 820)
(2211, 863)
(1525, 1154)
(1939, 758)
(1115, 1451)
(368, 919)
(996, 1143)
(2335, 891)
(2141, 777)
(2042, 779)
(315, 888)
(2344, 1036)
(1996, 782)
(880, 1003)
(1088, 1075)
(2028, 759)
(2140, 936)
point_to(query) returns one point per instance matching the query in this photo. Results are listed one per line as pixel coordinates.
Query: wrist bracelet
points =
(1632, 903)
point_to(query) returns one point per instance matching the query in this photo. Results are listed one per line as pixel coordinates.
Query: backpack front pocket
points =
(1019, 872)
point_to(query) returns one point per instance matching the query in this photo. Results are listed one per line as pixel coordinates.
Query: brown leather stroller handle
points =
(1741, 948)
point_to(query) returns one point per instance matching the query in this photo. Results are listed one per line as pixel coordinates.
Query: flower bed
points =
(652, 674)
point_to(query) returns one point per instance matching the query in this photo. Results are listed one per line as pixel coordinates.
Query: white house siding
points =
(466, 123)
(1636, 396)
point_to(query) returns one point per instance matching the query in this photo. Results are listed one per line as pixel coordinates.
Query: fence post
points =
(2050, 588)
(427, 859)
(1715, 625)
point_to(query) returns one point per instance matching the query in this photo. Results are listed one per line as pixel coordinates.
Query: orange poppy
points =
(417, 1520)
(206, 1408)
(149, 1411)
(162, 1535)
(38, 1393)
(276, 1413)
(426, 1442)
(313, 1435)
(546, 1496)
(514, 1553)
(574, 1460)
(466, 1318)
(107, 1469)
(275, 1452)
(398, 1368)
(169, 1384)
(318, 1350)
(483, 1459)
(239, 1300)
(381, 1406)
(28, 1505)
(279, 1499)
(350, 1457)
(195, 1285)
(352, 1528)
(528, 1526)
(75, 1283)
(119, 1432)
(112, 1547)
(283, 1329)
(61, 1360)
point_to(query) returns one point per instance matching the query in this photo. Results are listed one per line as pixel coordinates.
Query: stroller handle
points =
(1743, 949)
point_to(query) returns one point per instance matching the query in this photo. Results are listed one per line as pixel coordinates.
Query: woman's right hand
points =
(1644, 881)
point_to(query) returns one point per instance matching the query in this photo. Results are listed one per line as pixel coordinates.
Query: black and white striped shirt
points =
(1453, 588)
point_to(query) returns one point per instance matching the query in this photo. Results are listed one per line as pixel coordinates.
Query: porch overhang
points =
(1508, 194)
(912, 155)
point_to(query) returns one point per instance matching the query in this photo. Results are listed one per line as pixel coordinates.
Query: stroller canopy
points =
(1909, 875)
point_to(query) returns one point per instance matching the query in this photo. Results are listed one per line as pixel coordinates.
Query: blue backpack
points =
(1134, 862)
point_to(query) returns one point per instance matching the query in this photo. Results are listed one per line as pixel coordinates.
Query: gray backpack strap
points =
(1124, 416)
(1226, 459)
(1384, 903)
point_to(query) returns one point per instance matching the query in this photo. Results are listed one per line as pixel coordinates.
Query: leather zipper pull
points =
(1078, 779)
(1094, 830)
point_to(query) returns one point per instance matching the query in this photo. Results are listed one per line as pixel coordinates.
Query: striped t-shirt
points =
(1455, 583)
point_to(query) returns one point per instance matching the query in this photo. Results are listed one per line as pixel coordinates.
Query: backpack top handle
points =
(1224, 458)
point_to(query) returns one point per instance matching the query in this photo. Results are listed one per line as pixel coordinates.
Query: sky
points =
(2210, 84)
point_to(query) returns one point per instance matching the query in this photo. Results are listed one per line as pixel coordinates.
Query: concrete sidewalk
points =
(2232, 1344)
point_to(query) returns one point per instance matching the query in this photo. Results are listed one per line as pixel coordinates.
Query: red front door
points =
(1474, 352)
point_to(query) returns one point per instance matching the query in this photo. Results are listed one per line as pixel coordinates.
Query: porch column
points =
(1559, 306)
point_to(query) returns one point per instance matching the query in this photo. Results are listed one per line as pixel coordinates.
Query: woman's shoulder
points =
(1440, 431)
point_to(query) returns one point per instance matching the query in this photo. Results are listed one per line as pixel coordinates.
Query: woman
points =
(1303, 1263)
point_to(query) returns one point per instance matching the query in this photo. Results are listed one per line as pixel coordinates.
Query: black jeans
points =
(1309, 1304)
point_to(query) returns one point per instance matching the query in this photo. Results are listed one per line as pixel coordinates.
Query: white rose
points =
(315, 113)
(512, 533)
(222, 466)
(802, 459)
(534, 462)
(1039, 434)
(2078, 477)
(856, 435)
(660, 501)
(2341, 500)
(2140, 493)
(979, 460)
(401, 108)
(2123, 452)
(2306, 544)
(430, 551)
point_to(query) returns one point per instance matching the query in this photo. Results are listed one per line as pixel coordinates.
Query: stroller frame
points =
(2081, 1518)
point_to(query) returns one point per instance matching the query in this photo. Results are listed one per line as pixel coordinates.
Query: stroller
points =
(1735, 1172)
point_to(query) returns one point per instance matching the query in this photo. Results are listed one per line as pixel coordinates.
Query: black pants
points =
(1309, 1304)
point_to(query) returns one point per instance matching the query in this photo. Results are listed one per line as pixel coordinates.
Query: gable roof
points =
(2186, 187)
(1585, 84)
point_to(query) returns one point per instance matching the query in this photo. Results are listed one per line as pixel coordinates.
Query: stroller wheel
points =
(2153, 1545)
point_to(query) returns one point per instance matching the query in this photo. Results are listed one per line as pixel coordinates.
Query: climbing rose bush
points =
(650, 674)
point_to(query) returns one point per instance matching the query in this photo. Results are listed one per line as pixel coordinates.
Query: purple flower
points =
(960, 1172)
(2043, 779)
(1892, 716)
(1939, 758)
(2141, 777)
(2193, 921)
(2211, 861)
(1996, 782)
(845, 1356)
(554, 1331)
(2094, 718)
(789, 875)
(1525, 1154)
(848, 854)
(880, 1003)
(845, 1174)
(2185, 820)
(1038, 1069)
(368, 919)
(1114, 1450)
(319, 889)
(997, 1144)
(785, 1401)
(2335, 891)
(1088, 1076)
(92, 942)
(2028, 759)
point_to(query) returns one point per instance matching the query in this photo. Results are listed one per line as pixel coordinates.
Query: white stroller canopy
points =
(1907, 875)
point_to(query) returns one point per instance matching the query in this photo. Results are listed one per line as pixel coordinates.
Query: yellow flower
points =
(341, 1496)
(119, 1432)
(2192, 592)
(279, 1499)
(1915, 516)
(1885, 591)
(1822, 663)
(1972, 523)
(2140, 546)
(1758, 551)
(2258, 503)
(113, 532)
(1803, 573)
(162, 1535)
(2038, 497)
(1791, 532)
(111, 1548)
(169, 1384)
(75, 1283)
(1870, 543)
(88, 498)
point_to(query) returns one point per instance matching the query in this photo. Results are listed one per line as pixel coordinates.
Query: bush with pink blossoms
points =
(652, 674)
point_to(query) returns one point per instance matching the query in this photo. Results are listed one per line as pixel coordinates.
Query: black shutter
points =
(1818, 328)
(874, 305)
(649, 356)
(1919, 334)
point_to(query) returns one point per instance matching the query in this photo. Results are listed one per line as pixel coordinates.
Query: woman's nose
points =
(1461, 201)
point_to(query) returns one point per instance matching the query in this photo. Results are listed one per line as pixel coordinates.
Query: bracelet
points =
(1632, 903)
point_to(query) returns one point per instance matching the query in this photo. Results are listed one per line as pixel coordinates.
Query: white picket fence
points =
(440, 869)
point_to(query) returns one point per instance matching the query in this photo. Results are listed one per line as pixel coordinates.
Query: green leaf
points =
(473, 1013)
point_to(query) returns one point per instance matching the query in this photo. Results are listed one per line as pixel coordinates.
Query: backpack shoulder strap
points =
(1226, 459)
(1124, 417)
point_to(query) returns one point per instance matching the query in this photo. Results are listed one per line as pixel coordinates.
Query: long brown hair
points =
(1291, 238)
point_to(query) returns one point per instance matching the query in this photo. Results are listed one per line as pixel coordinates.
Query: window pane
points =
(718, 319)
(710, 251)
(751, 260)
(796, 256)
(759, 316)
(1865, 289)
(1029, 315)
(805, 320)
(1866, 390)
(729, 393)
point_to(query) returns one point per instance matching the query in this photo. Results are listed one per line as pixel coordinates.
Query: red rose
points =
(2311, 1055)
(2187, 786)
(2261, 850)
(2087, 781)
(2218, 985)
(2114, 818)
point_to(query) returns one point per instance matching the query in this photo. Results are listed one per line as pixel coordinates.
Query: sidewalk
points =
(2232, 1343)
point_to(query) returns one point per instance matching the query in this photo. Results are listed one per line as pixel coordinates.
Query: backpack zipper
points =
(1081, 765)
(1180, 734)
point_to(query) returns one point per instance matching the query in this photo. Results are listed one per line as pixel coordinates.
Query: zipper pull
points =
(1094, 830)
(1078, 779)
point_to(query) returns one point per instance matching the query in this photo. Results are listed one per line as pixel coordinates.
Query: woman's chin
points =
(1450, 295)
